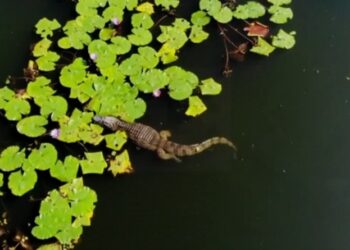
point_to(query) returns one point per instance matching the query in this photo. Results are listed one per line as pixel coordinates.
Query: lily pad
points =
(262, 47)
(146, 7)
(116, 140)
(42, 47)
(56, 106)
(200, 18)
(210, 87)
(48, 61)
(11, 158)
(22, 182)
(197, 34)
(32, 126)
(167, 4)
(251, 9)
(121, 164)
(16, 108)
(45, 27)
(280, 15)
(65, 171)
(284, 40)
(195, 107)
(94, 164)
(43, 158)
(279, 2)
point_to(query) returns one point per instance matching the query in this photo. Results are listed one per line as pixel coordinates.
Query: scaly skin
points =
(149, 138)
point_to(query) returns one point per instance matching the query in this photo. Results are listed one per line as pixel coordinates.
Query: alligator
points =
(148, 138)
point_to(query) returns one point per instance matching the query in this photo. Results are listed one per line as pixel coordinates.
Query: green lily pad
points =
(175, 37)
(51, 246)
(200, 18)
(56, 106)
(131, 66)
(149, 57)
(197, 34)
(65, 171)
(41, 48)
(74, 73)
(195, 107)
(284, 40)
(32, 126)
(279, 2)
(167, 4)
(210, 87)
(116, 140)
(22, 182)
(167, 54)
(94, 164)
(45, 27)
(11, 158)
(48, 61)
(43, 158)
(142, 20)
(150, 80)
(280, 15)
(121, 45)
(224, 15)
(16, 108)
(251, 9)
(140, 36)
(262, 47)
(121, 164)
(39, 88)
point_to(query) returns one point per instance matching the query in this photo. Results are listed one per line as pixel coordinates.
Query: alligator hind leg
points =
(165, 134)
(166, 156)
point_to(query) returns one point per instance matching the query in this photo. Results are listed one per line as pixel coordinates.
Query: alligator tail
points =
(188, 150)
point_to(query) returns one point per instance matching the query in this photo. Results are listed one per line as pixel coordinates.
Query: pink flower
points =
(55, 133)
(115, 21)
(157, 93)
(93, 56)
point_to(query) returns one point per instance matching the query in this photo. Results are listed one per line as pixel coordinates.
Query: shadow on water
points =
(289, 115)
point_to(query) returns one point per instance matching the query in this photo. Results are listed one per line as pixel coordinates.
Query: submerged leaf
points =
(195, 107)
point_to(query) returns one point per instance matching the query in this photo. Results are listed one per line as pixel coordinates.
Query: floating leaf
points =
(94, 164)
(167, 54)
(48, 61)
(116, 140)
(210, 87)
(150, 80)
(45, 27)
(52, 246)
(284, 40)
(251, 9)
(32, 126)
(146, 7)
(197, 34)
(43, 158)
(55, 216)
(121, 164)
(11, 158)
(200, 18)
(149, 57)
(39, 88)
(167, 4)
(140, 36)
(121, 45)
(65, 171)
(280, 14)
(56, 106)
(74, 73)
(107, 33)
(195, 107)
(41, 48)
(15, 108)
(224, 15)
(181, 82)
(131, 65)
(279, 2)
(173, 36)
(20, 183)
(262, 47)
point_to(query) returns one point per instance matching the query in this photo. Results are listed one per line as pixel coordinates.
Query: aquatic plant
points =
(104, 62)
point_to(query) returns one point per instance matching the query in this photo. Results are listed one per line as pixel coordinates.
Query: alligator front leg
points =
(165, 134)
(166, 156)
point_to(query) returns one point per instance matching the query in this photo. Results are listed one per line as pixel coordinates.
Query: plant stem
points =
(241, 34)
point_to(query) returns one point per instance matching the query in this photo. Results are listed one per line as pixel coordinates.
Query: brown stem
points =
(241, 34)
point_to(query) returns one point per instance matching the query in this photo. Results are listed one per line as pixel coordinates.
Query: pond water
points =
(289, 115)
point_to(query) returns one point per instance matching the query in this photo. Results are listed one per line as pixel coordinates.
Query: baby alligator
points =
(146, 137)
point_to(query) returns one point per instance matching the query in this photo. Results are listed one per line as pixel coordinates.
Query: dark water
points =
(289, 115)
